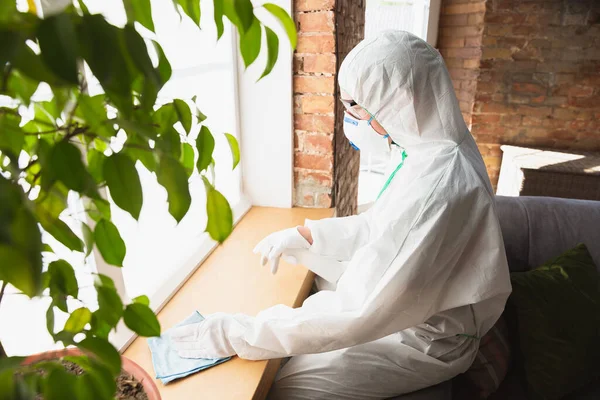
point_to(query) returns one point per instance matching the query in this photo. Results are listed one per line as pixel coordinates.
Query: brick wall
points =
(314, 87)
(540, 77)
(538, 82)
(459, 42)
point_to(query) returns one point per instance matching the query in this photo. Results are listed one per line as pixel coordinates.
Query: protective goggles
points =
(355, 110)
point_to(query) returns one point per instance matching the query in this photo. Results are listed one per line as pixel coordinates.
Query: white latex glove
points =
(272, 247)
(201, 340)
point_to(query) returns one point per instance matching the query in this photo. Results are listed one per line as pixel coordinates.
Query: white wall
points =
(266, 122)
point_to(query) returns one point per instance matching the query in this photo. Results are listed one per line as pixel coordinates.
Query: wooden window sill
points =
(232, 280)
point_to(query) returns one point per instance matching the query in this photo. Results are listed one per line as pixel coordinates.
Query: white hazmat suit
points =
(424, 269)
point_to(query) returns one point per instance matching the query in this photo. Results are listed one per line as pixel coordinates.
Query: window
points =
(161, 254)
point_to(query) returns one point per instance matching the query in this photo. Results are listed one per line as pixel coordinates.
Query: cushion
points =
(558, 314)
(491, 364)
(441, 391)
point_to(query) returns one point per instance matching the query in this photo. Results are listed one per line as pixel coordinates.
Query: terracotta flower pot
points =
(127, 365)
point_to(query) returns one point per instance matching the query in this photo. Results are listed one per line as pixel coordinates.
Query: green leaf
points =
(98, 383)
(110, 306)
(140, 150)
(138, 52)
(184, 115)
(50, 319)
(78, 320)
(165, 116)
(20, 241)
(239, 12)
(140, 128)
(285, 20)
(99, 327)
(54, 201)
(192, 9)
(65, 164)
(97, 208)
(11, 136)
(124, 183)
(58, 45)
(104, 352)
(272, 51)
(140, 319)
(16, 269)
(143, 299)
(109, 242)
(21, 87)
(58, 229)
(187, 158)
(46, 248)
(9, 42)
(250, 43)
(170, 143)
(95, 164)
(220, 216)
(245, 13)
(104, 280)
(93, 113)
(172, 176)
(205, 143)
(164, 67)
(63, 283)
(103, 48)
(11, 362)
(88, 238)
(139, 11)
(235, 149)
(218, 16)
(31, 65)
(59, 385)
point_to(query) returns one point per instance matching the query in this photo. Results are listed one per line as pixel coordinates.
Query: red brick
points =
(321, 21)
(317, 43)
(324, 200)
(475, 19)
(518, 99)
(314, 178)
(508, 18)
(454, 62)
(312, 104)
(529, 88)
(511, 120)
(471, 63)
(461, 31)
(314, 84)
(561, 134)
(535, 111)
(319, 63)
(496, 108)
(314, 5)
(485, 118)
(462, 73)
(314, 123)
(454, 20)
(308, 200)
(316, 143)
(581, 91)
(538, 100)
(464, 8)
(532, 121)
(448, 41)
(498, 30)
(555, 101)
(465, 52)
(298, 64)
(497, 53)
(473, 41)
(317, 162)
(489, 41)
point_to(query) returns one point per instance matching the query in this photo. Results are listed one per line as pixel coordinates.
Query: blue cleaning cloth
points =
(167, 363)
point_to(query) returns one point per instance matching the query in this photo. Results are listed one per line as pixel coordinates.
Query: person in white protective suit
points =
(414, 281)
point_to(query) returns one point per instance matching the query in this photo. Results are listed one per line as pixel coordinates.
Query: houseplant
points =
(66, 146)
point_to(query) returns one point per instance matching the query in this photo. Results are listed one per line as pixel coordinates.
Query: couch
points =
(535, 230)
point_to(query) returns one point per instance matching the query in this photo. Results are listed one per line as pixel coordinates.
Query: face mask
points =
(363, 137)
